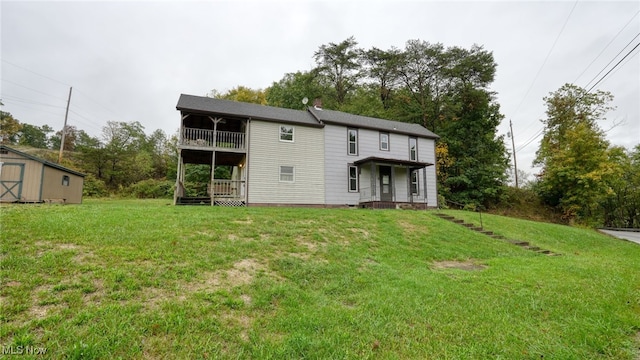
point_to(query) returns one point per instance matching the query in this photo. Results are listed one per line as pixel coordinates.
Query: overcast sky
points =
(130, 60)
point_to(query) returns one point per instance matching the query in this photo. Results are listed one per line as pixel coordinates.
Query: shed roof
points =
(206, 105)
(346, 119)
(43, 161)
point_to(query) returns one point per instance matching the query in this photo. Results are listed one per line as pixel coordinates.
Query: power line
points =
(615, 66)
(620, 52)
(546, 58)
(32, 89)
(11, 98)
(607, 46)
(530, 140)
(33, 72)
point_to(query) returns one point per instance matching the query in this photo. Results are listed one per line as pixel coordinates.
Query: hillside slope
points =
(141, 279)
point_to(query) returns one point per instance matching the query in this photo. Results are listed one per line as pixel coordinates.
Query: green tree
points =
(70, 138)
(340, 64)
(293, 88)
(9, 128)
(124, 162)
(242, 94)
(382, 70)
(35, 136)
(621, 205)
(577, 164)
(474, 170)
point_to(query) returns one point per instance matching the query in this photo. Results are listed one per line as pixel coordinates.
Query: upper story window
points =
(287, 174)
(65, 180)
(413, 149)
(384, 141)
(286, 133)
(352, 141)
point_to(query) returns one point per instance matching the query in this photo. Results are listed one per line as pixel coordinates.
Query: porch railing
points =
(209, 139)
(232, 189)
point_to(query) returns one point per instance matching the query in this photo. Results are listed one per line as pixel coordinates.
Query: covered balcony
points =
(201, 139)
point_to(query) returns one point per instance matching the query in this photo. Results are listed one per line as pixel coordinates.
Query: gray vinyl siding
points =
(426, 153)
(268, 153)
(336, 166)
(337, 160)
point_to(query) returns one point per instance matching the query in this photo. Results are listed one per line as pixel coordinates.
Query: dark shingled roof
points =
(199, 104)
(342, 118)
(313, 117)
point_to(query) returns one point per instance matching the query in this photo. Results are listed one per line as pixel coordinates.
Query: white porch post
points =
(409, 183)
(213, 157)
(426, 196)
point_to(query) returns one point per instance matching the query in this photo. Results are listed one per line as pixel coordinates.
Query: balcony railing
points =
(205, 138)
(231, 189)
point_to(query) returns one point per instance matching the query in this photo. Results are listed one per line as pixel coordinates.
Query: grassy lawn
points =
(147, 280)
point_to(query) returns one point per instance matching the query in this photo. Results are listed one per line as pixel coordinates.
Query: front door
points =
(386, 184)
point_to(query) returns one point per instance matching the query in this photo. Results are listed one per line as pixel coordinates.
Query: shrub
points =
(149, 189)
(94, 187)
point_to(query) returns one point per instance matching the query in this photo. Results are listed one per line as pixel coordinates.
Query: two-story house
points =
(311, 157)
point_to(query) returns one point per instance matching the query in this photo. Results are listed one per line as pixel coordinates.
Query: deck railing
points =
(233, 189)
(209, 139)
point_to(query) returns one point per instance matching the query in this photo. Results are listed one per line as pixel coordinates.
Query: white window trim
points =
(293, 174)
(349, 142)
(293, 131)
(349, 178)
(417, 183)
(388, 141)
(416, 152)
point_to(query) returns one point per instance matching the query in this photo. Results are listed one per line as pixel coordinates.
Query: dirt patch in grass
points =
(239, 320)
(467, 265)
(247, 221)
(364, 232)
(242, 273)
(408, 226)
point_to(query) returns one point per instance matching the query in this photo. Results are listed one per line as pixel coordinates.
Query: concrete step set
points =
(491, 234)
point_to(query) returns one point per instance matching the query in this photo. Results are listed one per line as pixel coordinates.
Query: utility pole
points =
(64, 128)
(513, 146)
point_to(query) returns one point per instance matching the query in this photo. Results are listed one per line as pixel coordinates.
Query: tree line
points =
(445, 89)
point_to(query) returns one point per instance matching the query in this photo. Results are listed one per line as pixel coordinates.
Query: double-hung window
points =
(415, 183)
(384, 141)
(353, 178)
(413, 149)
(65, 180)
(352, 141)
(287, 174)
(286, 133)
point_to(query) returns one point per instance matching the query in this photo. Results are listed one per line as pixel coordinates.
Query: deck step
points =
(193, 201)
